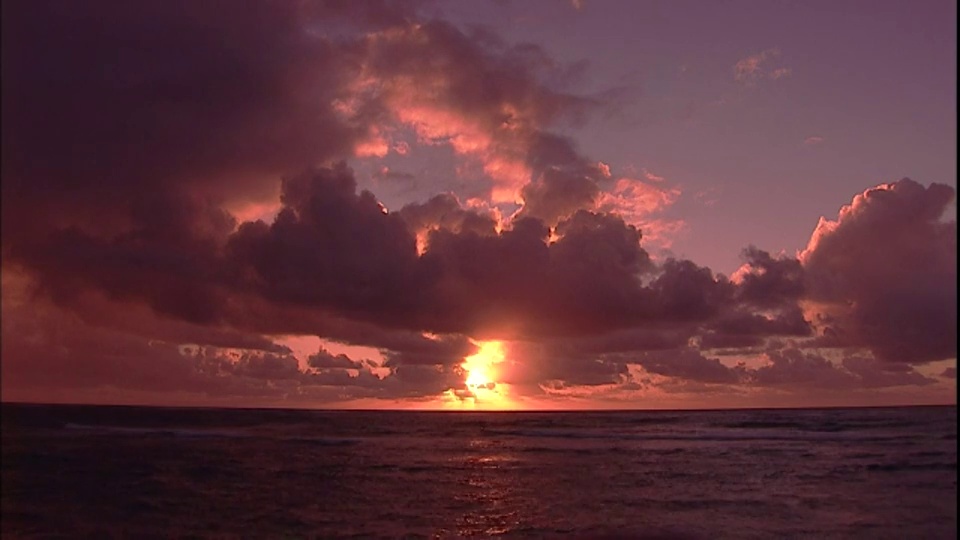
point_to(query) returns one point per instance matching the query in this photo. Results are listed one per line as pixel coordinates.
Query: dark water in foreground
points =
(70, 471)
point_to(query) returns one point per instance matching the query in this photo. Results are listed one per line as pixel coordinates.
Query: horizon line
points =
(469, 411)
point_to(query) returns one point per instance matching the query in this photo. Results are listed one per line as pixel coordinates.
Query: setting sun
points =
(481, 374)
(578, 268)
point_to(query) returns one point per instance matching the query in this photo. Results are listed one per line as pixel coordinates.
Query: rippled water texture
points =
(140, 472)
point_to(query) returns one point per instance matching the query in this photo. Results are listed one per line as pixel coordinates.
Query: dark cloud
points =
(740, 328)
(564, 181)
(877, 374)
(690, 292)
(134, 133)
(48, 349)
(795, 369)
(629, 340)
(108, 105)
(468, 280)
(884, 275)
(323, 359)
(543, 362)
(328, 247)
(264, 366)
(789, 323)
(688, 364)
(126, 128)
(447, 350)
(444, 211)
(766, 281)
(735, 342)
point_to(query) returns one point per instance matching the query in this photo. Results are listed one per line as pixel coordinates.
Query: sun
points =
(478, 378)
(481, 374)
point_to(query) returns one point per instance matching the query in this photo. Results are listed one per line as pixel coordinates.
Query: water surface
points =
(154, 472)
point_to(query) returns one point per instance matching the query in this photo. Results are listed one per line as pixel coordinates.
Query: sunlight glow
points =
(481, 376)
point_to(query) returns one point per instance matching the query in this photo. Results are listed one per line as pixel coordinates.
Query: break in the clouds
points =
(181, 195)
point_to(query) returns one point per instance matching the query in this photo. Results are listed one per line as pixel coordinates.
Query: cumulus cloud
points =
(169, 212)
(883, 275)
(312, 254)
(469, 91)
(766, 281)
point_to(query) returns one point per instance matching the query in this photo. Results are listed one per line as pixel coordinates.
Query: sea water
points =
(136, 472)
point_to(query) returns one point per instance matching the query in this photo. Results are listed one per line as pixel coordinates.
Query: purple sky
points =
(871, 85)
(537, 204)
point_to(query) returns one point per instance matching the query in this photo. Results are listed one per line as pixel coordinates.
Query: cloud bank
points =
(130, 132)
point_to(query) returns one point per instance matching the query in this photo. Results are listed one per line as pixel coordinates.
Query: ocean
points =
(139, 472)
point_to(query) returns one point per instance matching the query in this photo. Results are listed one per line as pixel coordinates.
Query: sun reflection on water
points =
(489, 493)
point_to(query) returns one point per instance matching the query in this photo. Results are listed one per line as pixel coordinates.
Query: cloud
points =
(545, 364)
(312, 253)
(876, 374)
(779, 73)
(558, 193)
(638, 202)
(794, 369)
(207, 105)
(813, 140)
(769, 282)
(168, 214)
(49, 351)
(468, 279)
(688, 364)
(445, 212)
(883, 275)
(323, 359)
(45, 347)
(751, 70)
(447, 350)
(471, 92)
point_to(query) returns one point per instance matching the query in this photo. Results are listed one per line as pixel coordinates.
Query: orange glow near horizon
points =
(481, 377)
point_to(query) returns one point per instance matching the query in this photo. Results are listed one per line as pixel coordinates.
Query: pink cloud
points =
(638, 201)
(485, 101)
(401, 148)
(752, 69)
(779, 73)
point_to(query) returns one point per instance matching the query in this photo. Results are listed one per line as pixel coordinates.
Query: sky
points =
(460, 205)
